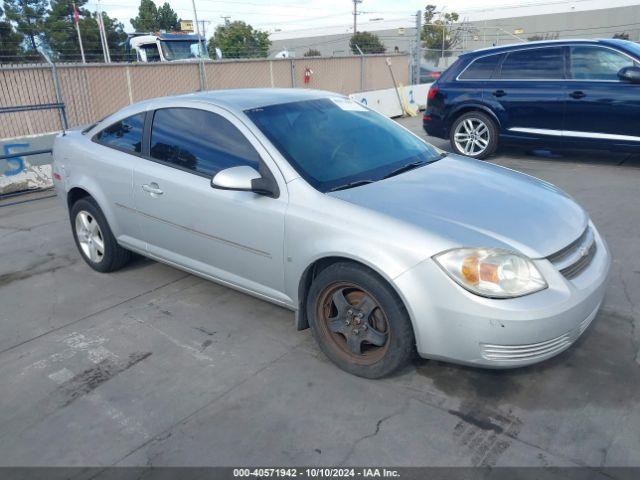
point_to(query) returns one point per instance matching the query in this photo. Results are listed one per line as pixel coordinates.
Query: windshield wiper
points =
(405, 168)
(357, 183)
(412, 165)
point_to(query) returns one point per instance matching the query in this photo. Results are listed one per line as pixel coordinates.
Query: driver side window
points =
(199, 141)
(596, 63)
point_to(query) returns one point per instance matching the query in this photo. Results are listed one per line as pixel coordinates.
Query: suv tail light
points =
(433, 90)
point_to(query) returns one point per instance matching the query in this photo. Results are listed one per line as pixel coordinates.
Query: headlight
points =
(492, 272)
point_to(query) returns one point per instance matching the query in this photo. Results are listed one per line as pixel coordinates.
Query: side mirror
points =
(244, 178)
(629, 74)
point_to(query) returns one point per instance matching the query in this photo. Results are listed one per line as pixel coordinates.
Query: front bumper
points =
(455, 325)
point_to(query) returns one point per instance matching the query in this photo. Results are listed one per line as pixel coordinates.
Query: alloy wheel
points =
(472, 136)
(89, 236)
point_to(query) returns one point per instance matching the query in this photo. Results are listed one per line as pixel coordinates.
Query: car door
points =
(528, 92)
(110, 164)
(600, 107)
(234, 236)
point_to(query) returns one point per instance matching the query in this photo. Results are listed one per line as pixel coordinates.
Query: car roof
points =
(234, 100)
(517, 46)
(248, 98)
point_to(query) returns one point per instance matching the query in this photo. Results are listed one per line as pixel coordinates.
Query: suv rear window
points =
(481, 68)
(534, 64)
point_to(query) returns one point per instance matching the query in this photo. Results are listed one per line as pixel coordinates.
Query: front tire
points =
(94, 239)
(475, 135)
(358, 321)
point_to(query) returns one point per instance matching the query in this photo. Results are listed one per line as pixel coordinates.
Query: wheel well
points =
(76, 194)
(471, 108)
(311, 272)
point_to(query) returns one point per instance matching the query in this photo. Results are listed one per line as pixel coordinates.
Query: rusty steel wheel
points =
(355, 323)
(359, 321)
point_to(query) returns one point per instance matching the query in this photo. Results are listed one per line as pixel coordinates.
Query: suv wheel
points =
(97, 245)
(359, 321)
(474, 135)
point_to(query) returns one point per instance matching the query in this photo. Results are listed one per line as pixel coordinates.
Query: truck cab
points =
(166, 47)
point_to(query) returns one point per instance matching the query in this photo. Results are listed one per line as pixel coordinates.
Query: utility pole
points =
(203, 81)
(355, 15)
(417, 52)
(103, 34)
(76, 20)
(204, 29)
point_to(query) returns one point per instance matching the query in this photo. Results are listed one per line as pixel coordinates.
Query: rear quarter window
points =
(123, 135)
(481, 68)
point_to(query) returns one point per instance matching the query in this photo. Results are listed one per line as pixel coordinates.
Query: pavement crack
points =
(635, 333)
(372, 434)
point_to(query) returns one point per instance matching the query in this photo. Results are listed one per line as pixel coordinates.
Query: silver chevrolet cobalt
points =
(380, 242)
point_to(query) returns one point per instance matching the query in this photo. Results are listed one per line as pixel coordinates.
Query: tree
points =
(60, 33)
(147, 19)
(239, 40)
(62, 38)
(28, 16)
(152, 19)
(367, 42)
(312, 52)
(10, 42)
(168, 19)
(437, 35)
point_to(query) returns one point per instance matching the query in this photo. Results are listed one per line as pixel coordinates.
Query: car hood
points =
(473, 203)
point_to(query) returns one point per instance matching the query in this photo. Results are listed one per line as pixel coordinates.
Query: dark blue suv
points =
(571, 93)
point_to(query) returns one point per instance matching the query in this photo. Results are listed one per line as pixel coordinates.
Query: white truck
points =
(166, 47)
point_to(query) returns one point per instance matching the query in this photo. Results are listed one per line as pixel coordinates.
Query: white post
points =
(103, 35)
(77, 22)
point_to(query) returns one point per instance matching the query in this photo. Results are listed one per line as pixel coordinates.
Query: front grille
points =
(575, 269)
(576, 256)
(531, 351)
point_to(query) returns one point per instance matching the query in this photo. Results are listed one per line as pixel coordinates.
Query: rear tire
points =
(474, 134)
(94, 239)
(358, 321)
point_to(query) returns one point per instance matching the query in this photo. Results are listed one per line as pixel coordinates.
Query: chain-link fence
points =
(40, 98)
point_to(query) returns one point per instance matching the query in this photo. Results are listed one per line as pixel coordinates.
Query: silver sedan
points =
(381, 243)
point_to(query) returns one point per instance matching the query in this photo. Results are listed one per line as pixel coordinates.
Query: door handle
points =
(499, 93)
(152, 188)
(577, 94)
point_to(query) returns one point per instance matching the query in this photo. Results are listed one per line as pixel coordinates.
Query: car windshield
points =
(179, 49)
(337, 143)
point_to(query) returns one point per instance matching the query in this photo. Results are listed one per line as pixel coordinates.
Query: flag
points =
(75, 14)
